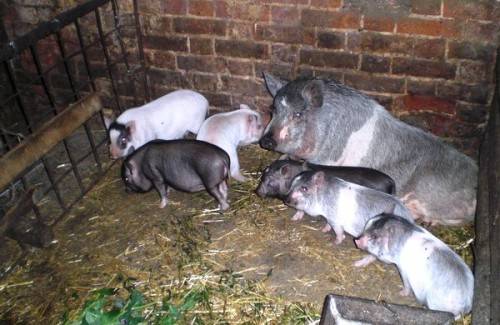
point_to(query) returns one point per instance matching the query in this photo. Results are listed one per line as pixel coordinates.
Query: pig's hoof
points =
(163, 203)
(239, 177)
(223, 206)
(326, 228)
(298, 216)
(368, 259)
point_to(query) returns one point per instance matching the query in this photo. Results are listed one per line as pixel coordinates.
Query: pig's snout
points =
(261, 191)
(267, 142)
(290, 201)
(361, 242)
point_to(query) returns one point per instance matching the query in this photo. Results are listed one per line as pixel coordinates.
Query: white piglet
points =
(168, 117)
(231, 130)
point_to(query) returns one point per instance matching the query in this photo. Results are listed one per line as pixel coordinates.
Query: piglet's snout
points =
(267, 142)
(361, 242)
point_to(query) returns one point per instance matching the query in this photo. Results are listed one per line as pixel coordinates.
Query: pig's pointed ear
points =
(313, 93)
(108, 116)
(244, 106)
(319, 178)
(130, 127)
(273, 83)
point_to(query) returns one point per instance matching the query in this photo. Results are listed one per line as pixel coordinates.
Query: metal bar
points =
(53, 104)
(44, 29)
(18, 97)
(84, 54)
(106, 57)
(34, 207)
(141, 50)
(53, 184)
(122, 48)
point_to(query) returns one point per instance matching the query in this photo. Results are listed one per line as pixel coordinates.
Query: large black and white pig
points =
(231, 130)
(185, 165)
(345, 206)
(168, 117)
(328, 123)
(277, 178)
(436, 275)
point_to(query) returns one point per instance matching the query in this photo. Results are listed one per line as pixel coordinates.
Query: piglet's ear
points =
(243, 106)
(130, 127)
(319, 178)
(313, 93)
(108, 116)
(252, 119)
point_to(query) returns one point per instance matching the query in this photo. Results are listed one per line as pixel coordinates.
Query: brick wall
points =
(430, 62)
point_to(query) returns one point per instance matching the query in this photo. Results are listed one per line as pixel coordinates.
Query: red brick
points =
(156, 25)
(463, 9)
(420, 87)
(479, 94)
(284, 71)
(237, 67)
(242, 49)
(197, 63)
(284, 53)
(472, 72)
(329, 74)
(423, 68)
(177, 7)
(482, 32)
(367, 82)
(420, 26)
(172, 43)
(328, 59)
(428, 103)
(435, 123)
(204, 82)
(242, 86)
(471, 51)
(217, 99)
(380, 43)
(371, 63)
(199, 26)
(173, 79)
(160, 59)
(284, 34)
(472, 113)
(330, 19)
(426, 7)
(429, 48)
(201, 8)
(326, 3)
(331, 40)
(242, 11)
(240, 30)
(201, 45)
(289, 2)
(284, 15)
(379, 24)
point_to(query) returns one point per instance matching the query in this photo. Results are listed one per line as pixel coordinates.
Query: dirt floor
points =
(257, 262)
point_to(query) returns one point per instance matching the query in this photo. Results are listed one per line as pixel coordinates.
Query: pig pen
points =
(119, 254)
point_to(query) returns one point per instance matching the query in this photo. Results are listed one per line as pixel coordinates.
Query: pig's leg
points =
(298, 215)
(162, 189)
(406, 287)
(219, 192)
(235, 166)
(326, 228)
(339, 233)
(368, 259)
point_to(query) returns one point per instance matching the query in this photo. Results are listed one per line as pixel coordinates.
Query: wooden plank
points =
(44, 139)
(339, 309)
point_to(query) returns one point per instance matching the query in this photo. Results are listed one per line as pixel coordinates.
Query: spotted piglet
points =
(231, 130)
(168, 117)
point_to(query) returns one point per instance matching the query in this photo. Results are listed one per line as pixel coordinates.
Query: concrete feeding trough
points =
(341, 310)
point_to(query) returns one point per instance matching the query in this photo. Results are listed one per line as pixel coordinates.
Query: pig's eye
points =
(304, 189)
(123, 140)
(297, 114)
